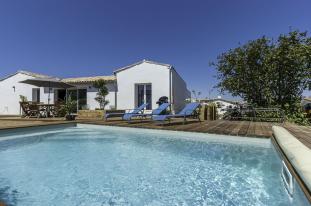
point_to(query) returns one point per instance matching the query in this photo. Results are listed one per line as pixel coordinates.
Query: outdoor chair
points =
(158, 111)
(137, 110)
(30, 110)
(189, 111)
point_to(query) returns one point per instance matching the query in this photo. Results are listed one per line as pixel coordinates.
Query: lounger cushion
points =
(127, 116)
(113, 115)
(159, 117)
(159, 110)
(185, 112)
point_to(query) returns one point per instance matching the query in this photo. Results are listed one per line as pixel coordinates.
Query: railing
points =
(256, 114)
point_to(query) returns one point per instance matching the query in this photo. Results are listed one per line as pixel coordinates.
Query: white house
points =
(222, 104)
(147, 81)
(130, 86)
(11, 89)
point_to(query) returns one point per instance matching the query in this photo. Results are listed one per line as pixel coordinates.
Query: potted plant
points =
(100, 85)
(69, 107)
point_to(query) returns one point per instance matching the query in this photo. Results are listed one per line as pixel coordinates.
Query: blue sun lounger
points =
(134, 111)
(156, 111)
(188, 111)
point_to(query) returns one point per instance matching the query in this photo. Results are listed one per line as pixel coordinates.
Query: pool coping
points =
(21, 128)
(196, 136)
(100, 123)
(291, 168)
(39, 125)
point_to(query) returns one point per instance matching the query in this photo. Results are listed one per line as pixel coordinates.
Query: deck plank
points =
(244, 128)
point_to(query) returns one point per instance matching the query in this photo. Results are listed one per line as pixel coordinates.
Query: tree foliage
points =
(267, 72)
(102, 93)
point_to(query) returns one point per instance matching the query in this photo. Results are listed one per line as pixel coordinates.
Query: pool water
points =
(99, 165)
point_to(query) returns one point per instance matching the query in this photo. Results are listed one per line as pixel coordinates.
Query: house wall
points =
(9, 99)
(157, 75)
(180, 91)
(91, 94)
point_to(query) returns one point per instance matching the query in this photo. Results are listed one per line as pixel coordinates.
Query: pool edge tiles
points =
(13, 133)
(193, 136)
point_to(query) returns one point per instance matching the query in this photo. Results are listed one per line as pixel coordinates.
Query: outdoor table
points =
(47, 109)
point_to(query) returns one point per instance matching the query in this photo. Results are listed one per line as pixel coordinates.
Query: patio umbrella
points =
(47, 82)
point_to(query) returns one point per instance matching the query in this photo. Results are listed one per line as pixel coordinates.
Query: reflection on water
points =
(8, 196)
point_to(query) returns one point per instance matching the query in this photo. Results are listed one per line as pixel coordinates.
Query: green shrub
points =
(298, 118)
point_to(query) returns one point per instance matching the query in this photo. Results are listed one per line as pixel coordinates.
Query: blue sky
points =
(93, 37)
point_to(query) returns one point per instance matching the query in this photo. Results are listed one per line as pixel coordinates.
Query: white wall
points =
(9, 99)
(157, 75)
(91, 94)
(180, 91)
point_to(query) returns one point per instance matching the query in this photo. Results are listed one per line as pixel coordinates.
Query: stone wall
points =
(91, 114)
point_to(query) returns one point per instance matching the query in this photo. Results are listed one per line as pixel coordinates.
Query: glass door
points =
(36, 95)
(140, 95)
(148, 96)
(82, 102)
(80, 96)
(144, 95)
(73, 94)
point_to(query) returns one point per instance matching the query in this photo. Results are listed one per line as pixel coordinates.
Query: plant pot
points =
(70, 117)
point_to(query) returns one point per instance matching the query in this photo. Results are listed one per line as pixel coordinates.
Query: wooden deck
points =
(235, 128)
(302, 133)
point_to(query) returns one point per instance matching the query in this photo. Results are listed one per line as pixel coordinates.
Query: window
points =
(82, 102)
(36, 94)
(143, 95)
(79, 95)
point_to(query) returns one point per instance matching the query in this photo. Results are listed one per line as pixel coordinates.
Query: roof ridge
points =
(88, 79)
(88, 76)
(140, 62)
(34, 74)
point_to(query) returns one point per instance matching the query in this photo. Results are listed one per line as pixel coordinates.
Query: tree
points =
(102, 93)
(291, 66)
(268, 73)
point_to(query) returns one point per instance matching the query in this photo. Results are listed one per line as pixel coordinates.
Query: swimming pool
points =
(101, 165)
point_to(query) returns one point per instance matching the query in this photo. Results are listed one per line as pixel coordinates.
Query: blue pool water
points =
(94, 165)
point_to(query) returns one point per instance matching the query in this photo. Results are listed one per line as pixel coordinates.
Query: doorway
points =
(143, 94)
(78, 95)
